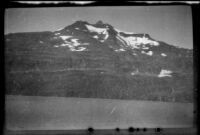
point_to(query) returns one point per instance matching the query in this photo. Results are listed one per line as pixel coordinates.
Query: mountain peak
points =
(78, 23)
(81, 22)
(99, 22)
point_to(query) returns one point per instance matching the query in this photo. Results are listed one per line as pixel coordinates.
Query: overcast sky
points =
(171, 24)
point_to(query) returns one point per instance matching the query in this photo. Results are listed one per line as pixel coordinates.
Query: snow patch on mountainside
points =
(120, 50)
(98, 30)
(165, 73)
(106, 35)
(57, 33)
(95, 36)
(65, 45)
(75, 42)
(150, 53)
(65, 37)
(163, 54)
(144, 40)
(56, 45)
(79, 49)
(128, 41)
(95, 29)
(136, 42)
(59, 29)
(72, 44)
(145, 48)
(124, 31)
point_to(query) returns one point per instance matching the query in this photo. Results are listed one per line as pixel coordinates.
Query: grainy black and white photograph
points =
(70, 68)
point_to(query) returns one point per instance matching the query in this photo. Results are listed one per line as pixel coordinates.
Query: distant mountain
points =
(97, 61)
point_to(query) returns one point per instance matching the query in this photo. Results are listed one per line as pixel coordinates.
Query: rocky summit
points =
(97, 61)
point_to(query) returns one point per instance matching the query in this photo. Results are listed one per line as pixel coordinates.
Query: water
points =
(60, 113)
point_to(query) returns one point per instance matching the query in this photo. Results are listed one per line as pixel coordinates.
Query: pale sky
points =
(171, 24)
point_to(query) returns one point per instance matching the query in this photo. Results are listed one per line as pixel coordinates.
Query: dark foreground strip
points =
(169, 131)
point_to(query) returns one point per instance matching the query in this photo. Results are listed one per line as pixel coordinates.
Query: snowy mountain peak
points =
(103, 32)
(108, 35)
(88, 54)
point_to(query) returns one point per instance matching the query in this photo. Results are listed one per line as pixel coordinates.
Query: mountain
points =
(97, 61)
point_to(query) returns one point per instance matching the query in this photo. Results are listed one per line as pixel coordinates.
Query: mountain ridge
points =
(99, 58)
